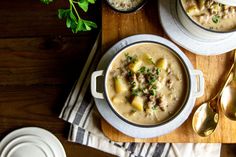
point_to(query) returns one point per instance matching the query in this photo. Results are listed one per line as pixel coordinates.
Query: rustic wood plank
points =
(48, 60)
(32, 18)
(31, 106)
(213, 67)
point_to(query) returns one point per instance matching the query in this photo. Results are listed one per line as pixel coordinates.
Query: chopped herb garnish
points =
(152, 79)
(135, 92)
(154, 87)
(133, 111)
(216, 19)
(151, 61)
(158, 71)
(153, 92)
(129, 73)
(133, 83)
(130, 59)
(154, 108)
(142, 69)
(127, 98)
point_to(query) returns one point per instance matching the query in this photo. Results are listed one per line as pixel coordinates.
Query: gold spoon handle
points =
(228, 78)
(234, 64)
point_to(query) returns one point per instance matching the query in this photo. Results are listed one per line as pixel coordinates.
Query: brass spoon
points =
(228, 98)
(206, 117)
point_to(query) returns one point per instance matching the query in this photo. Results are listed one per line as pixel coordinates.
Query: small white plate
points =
(41, 141)
(26, 149)
(124, 127)
(30, 139)
(179, 34)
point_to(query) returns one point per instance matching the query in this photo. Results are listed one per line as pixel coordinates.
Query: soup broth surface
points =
(146, 83)
(211, 15)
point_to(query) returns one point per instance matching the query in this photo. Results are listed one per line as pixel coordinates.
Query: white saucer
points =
(31, 141)
(26, 149)
(177, 32)
(124, 127)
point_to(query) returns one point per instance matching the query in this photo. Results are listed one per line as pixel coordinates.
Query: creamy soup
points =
(146, 83)
(211, 15)
(125, 5)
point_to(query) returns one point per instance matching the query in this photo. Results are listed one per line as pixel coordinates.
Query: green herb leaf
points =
(76, 24)
(133, 83)
(216, 19)
(83, 4)
(153, 92)
(135, 92)
(133, 111)
(152, 79)
(154, 108)
(73, 20)
(46, 1)
(151, 61)
(158, 71)
(154, 87)
(91, 1)
(128, 57)
(129, 73)
(63, 13)
(89, 24)
(142, 69)
(68, 22)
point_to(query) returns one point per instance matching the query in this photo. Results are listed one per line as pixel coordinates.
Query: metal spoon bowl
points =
(206, 117)
(228, 102)
(228, 98)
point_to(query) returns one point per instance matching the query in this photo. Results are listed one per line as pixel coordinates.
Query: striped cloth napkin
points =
(81, 112)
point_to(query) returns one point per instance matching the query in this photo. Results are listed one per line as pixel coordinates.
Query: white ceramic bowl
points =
(198, 30)
(195, 89)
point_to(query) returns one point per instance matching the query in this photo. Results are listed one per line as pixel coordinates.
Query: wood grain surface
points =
(214, 68)
(40, 59)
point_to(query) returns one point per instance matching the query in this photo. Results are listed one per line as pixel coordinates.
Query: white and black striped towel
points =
(80, 111)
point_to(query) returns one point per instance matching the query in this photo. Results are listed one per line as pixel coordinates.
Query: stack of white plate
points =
(31, 142)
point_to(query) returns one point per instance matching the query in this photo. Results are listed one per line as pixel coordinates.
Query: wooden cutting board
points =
(116, 26)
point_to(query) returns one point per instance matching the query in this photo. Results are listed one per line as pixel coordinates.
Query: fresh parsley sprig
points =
(73, 19)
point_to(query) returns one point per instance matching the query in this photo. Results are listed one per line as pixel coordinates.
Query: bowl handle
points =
(199, 86)
(94, 91)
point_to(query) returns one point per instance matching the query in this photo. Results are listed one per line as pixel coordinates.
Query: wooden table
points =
(39, 61)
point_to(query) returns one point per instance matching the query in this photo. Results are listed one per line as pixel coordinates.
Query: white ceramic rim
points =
(43, 134)
(180, 35)
(137, 131)
(227, 2)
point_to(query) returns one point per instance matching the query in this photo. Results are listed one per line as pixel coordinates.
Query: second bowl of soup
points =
(207, 18)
